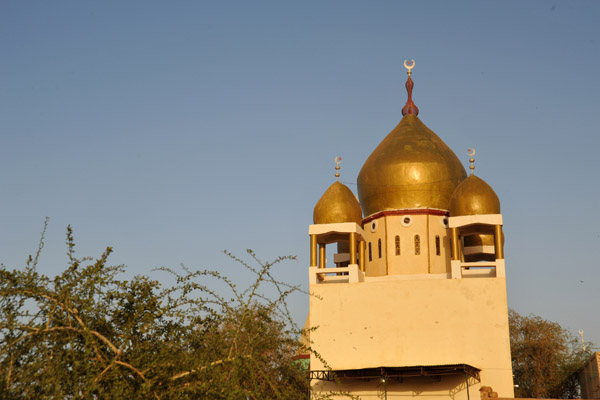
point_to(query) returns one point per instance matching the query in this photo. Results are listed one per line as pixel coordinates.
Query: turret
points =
(476, 225)
(337, 217)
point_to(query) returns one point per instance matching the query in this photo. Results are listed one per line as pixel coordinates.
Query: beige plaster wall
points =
(394, 323)
(407, 262)
(439, 263)
(375, 231)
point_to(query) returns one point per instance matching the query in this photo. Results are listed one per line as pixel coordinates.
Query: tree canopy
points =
(545, 358)
(90, 334)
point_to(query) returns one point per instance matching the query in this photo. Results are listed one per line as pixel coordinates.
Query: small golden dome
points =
(338, 204)
(474, 197)
(411, 168)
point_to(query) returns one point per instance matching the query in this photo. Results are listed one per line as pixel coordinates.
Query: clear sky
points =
(173, 130)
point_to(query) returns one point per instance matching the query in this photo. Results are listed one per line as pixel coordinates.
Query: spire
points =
(337, 160)
(471, 153)
(409, 107)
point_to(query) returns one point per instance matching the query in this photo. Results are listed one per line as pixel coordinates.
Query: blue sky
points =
(174, 130)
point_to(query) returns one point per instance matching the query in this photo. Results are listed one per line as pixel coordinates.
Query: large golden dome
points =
(411, 168)
(474, 197)
(338, 204)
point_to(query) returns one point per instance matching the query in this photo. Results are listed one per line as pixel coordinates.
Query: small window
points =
(406, 221)
(397, 245)
(373, 226)
(370, 253)
(417, 245)
(379, 247)
(437, 245)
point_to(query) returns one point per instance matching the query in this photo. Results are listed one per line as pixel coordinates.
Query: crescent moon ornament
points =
(471, 153)
(337, 160)
(409, 66)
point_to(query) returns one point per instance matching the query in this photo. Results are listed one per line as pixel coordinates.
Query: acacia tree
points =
(88, 333)
(545, 358)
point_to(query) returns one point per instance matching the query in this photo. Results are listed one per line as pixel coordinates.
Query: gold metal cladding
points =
(411, 168)
(478, 239)
(313, 250)
(352, 248)
(455, 244)
(338, 204)
(337, 160)
(474, 197)
(409, 66)
(498, 241)
(321, 255)
(361, 255)
(471, 153)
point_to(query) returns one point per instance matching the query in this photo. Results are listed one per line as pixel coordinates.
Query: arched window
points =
(379, 247)
(437, 245)
(417, 245)
(370, 253)
(397, 245)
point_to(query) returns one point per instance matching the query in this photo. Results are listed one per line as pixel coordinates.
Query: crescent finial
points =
(471, 153)
(409, 107)
(409, 66)
(337, 160)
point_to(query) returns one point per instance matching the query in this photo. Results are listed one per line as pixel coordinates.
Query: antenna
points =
(582, 342)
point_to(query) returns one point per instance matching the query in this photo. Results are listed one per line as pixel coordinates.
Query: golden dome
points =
(474, 197)
(411, 168)
(338, 204)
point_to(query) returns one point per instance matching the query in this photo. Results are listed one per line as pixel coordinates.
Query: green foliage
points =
(88, 333)
(545, 358)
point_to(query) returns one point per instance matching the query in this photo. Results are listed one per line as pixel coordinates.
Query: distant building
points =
(415, 301)
(589, 378)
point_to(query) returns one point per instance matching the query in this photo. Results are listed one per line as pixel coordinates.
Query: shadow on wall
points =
(454, 387)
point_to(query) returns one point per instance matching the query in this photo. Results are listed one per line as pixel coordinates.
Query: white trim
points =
(464, 220)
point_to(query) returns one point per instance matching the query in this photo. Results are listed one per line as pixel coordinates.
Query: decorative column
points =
(455, 244)
(498, 242)
(352, 248)
(361, 255)
(313, 250)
